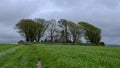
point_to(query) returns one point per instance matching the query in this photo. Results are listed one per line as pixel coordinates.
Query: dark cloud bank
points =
(104, 14)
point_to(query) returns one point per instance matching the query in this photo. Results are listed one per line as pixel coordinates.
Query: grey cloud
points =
(109, 3)
(8, 34)
(16, 9)
(11, 12)
(102, 13)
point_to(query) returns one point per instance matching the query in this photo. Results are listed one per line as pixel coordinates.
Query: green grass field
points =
(59, 56)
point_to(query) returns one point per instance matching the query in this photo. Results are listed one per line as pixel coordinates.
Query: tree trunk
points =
(51, 37)
(66, 34)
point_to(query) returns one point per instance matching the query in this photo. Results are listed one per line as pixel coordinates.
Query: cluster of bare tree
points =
(62, 31)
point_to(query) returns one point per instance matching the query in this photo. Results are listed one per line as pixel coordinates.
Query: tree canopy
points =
(32, 30)
(92, 33)
(64, 25)
(62, 30)
(75, 31)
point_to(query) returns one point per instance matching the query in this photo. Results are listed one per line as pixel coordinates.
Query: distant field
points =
(59, 56)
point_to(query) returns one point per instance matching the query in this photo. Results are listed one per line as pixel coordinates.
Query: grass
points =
(79, 56)
(59, 56)
(23, 59)
(8, 54)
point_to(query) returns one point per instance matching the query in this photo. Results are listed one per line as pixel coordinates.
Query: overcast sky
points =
(104, 14)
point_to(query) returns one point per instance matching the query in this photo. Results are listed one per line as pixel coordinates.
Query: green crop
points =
(59, 56)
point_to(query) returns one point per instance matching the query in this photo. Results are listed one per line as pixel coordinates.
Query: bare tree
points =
(52, 29)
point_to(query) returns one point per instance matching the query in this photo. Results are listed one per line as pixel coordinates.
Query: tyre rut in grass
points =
(7, 55)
